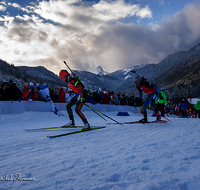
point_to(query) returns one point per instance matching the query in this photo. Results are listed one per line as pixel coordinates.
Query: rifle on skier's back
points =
(74, 75)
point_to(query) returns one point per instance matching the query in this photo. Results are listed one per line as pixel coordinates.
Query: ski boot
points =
(158, 117)
(86, 125)
(70, 123)
(144, 120)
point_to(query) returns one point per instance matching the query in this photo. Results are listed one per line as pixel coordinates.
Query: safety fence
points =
(15, 107)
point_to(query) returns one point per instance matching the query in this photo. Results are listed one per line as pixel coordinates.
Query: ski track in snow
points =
(133, 157)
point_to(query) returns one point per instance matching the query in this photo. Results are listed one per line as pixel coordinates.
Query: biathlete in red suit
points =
(152, 92)
(77, 100)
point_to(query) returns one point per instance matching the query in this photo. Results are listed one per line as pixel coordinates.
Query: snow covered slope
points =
(130, 157)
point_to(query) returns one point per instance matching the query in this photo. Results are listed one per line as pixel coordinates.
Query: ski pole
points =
(165, 118)
(189, 112)
(103, 114)
(55, 110)
(100, 115)
(162, 116)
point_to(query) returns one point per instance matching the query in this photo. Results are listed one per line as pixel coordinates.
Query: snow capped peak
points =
(127, 70)
(100, 71)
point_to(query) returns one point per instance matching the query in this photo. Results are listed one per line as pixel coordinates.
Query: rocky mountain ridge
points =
(178, 73)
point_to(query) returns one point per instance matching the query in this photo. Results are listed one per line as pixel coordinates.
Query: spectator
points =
(112, 96)
(16, 93)
(54, 95)
(97, 97)
(106, 97)
(44, 91)
(5, 92)
(123, 100)
(117, 98)
(184, 108)
(132, 101)
(90, 98)
(23, 92)
(40, 97)
(30, 94)
(37, 87)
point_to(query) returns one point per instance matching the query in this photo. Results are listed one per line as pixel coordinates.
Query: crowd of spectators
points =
(183, 107)
(10, 92)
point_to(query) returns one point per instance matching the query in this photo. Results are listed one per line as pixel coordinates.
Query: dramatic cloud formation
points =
(87, 35)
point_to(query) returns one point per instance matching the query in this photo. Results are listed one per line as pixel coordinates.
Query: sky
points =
(114, 34)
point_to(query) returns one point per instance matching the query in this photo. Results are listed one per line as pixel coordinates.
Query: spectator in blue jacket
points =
(184, 108)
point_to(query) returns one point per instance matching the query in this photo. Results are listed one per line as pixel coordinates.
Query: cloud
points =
(14, 5)
(87, 35)
(112, 11)
(2, 8)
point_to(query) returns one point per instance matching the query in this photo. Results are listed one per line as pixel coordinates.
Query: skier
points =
(152, 92)
(77, 100)
(161, 101)
(197, 108)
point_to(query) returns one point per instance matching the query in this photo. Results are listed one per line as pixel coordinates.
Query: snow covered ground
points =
(133, 157)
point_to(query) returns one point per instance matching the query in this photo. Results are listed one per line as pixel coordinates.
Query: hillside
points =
(23, 75)
(178, 73)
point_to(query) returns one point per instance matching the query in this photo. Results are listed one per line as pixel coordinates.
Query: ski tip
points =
(27, 129)
(50, 137)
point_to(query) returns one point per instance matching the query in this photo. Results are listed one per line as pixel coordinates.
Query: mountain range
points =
(178, 74)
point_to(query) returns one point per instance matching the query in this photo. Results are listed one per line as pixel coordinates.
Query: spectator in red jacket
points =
(29, 94)
(106, 98)
(24, 91)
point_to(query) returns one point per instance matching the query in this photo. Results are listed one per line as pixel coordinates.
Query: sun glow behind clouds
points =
(90, 34)
(36, 37)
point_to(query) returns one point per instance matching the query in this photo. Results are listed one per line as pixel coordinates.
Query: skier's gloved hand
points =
(82, 100)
